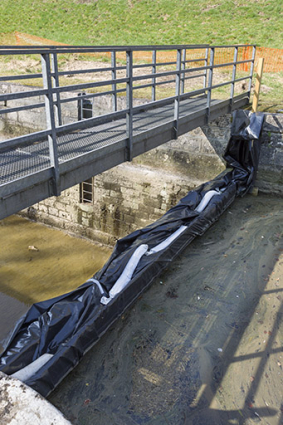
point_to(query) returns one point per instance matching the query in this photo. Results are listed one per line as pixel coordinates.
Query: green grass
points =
(271, 94)
(137, 22)
(112, 22)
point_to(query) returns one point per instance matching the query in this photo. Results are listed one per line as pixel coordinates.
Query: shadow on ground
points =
(203, 346)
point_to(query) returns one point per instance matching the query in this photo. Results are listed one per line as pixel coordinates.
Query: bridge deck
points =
(21, 162)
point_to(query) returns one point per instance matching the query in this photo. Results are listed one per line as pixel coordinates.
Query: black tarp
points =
(69, 325)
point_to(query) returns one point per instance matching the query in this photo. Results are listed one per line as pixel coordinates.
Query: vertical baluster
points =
(205, 64)
(50, 122)
(233, 77)
(55, 83)
(114, 85)
(183, 67)
(252, 71)
(153, 87)
(177, 92)
(210, 79)
(129, 95)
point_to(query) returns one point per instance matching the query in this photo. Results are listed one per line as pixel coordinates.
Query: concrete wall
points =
(135, 194)
(22, 122)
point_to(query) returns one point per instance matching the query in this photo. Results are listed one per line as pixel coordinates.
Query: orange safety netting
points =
(273, 58)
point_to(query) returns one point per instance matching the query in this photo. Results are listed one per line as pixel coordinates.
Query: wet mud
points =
(38, 263)
(203, 345)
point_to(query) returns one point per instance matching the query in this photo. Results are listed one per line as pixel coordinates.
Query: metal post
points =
(153, 87)
(205, 64)
(55, 83)
(183, 67)
(129, 116)
(85, 109)
(50, 122)
(210, 78)
(114, 85)
(177, 92)
(233, 76)
(80, 107)
(252, 71)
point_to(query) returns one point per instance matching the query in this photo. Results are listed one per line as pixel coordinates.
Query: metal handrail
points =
(52, 92)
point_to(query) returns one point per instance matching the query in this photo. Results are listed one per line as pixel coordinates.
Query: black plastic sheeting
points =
(69, 325)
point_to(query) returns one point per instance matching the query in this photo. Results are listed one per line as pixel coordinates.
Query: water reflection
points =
(38, 263)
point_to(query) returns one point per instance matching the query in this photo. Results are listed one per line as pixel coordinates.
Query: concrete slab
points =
(20, 405)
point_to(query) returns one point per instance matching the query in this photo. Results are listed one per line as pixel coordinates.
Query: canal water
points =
(38, 263)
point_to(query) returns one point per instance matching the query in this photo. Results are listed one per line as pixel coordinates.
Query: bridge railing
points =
(135, 78)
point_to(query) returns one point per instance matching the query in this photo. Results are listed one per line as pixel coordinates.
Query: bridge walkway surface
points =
(41, 164)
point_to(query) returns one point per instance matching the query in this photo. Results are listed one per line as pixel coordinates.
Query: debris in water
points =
(33, 248)
(208, 288)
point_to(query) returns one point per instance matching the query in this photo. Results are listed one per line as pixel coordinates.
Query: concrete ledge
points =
(19, 404)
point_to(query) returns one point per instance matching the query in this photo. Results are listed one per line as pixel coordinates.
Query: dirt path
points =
(32, 65)
(204, 344)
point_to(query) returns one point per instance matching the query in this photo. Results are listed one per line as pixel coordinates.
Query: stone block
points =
(85, 221)
(60, 205)
(64, 215)
(43, 208)
(53, 212)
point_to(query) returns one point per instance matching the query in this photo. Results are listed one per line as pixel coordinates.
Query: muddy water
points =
(38, 263)
(204, 344)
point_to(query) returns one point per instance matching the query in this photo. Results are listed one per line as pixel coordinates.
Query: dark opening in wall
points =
(86, 191)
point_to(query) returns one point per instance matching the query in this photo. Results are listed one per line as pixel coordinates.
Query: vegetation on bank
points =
(111, 22)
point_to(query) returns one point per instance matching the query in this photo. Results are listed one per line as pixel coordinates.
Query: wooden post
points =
(257, 84)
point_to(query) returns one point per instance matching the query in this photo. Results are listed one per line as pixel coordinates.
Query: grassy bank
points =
(102, 22)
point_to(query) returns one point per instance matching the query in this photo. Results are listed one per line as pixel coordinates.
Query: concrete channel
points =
(202, 346)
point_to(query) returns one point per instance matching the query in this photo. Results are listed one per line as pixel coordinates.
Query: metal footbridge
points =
(154, 94)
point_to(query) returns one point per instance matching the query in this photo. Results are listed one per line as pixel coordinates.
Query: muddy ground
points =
(203, 345)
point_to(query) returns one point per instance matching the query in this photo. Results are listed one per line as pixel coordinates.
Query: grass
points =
(271, 94)
(136, 22)
(104, 22)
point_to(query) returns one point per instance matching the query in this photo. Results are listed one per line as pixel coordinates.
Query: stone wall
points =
(270, 170)
(132, 195)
